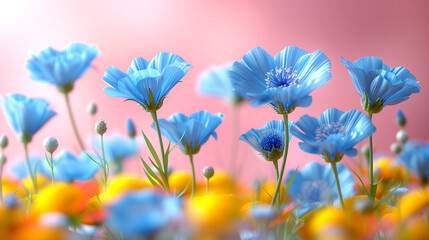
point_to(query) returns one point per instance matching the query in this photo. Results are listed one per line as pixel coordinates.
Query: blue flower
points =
(415, 156)
(131, 128)
(20, 169)
(146, 82)
(26, 115)
(62, 68)
(285, 81)
(334, 134)
(68, 167)
(268, 140)
(195, 129)
(217, 82)
(118, 148)
(380, 85)
(315, 186)
(142, 214)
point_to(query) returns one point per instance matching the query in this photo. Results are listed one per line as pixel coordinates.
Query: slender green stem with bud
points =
(340, 195)
(191, 160)
(76, 132)
(371, 166)
(207, 186)
(279, 180)
(33, 177)
(161, 145)
(52, 172)
(276, 166)
(105, 167)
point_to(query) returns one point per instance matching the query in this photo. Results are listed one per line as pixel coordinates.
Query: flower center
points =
(271, 139)
(281, 77)
(324, 131)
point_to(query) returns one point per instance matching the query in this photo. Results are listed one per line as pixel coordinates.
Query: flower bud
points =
(402, 136)
(365, 150)
(131, 128)
(2, 159)
(91, 108)
(396, 148)
(208, 172)
(3, 141)
(400, 118)
(50, 144)
(100, 127)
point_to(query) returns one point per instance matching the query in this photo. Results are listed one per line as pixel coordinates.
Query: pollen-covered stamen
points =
(271, 139)
(324, 131)
(281, 77)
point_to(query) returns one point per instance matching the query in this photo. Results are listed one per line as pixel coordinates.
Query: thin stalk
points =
(191, 160)
(276, 166)
(371, 165)
(207, 186)
(279, 180)
(161, 145)
(340, 196)
(1, 183)
(76, 132)
(52, 172)
(105, 167)
(235, 132)
(33, 178)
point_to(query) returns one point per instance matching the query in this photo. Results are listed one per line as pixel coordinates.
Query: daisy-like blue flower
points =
(333, 134)
(26, 115)
(285, 81)
(190, 132)
(217, 82)
(142, 214)
(314, 186)
(68, 167)
(62, 68)
(20, 169)
(415, 157)
(380, 85)
(146, 82)
(268, 140)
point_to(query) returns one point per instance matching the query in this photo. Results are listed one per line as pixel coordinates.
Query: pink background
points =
(205, 33)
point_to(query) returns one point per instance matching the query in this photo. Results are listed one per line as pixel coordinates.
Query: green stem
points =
(279, 180)
(340, 196)
(161, 145)
(193, 175)
(234, 137)
(371, 166)
(105, 167)
(276, 166)
(207, 189)
(76, 132)
(33, 178)
(52, 171)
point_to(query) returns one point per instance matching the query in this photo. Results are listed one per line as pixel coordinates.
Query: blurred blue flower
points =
(26, 115)
(131, 128)
(62, 68)
(314, 186)
(382, 85)
(415, 156)
(20, 169)
(142, 214)
(285, 81)
(268, 140)
(146, 82)
(217, 82)
(117, 148)
(68, 167)
(334, 134)
(195, 129)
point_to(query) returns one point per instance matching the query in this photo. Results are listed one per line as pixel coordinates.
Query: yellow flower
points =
(178, 181)
(122, 184)
(386, 169)
(413, 203)
(66, 199)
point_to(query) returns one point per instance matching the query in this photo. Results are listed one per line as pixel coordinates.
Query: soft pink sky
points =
(205, 33)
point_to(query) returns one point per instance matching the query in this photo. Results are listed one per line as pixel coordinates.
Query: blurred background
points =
(209, 33)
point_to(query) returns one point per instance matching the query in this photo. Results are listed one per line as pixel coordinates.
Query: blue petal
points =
(112, 76)
(259, 62)
(138, 64)
(163, 60)
(329, 116)
(288, 56)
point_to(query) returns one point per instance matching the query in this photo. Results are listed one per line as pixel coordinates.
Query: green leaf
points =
(150, 179)
(151, 149)
(99, 164)
(152, 174)
(267, 193)
(47, 160)
(184, 190)
(59, 161)
(363, 185)
(387, 197)
(289, 184)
